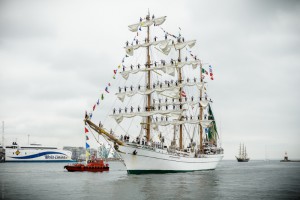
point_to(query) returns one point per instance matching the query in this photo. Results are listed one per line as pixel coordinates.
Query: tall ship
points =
(35, 153)
(243, 156)
(165, 94)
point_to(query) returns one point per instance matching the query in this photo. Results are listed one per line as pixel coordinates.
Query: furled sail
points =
(161, 44)
(204, 103)
(164, 46)
(205, 123)
(172, 113)
(166, 68)
(156, 21)
(171, 91)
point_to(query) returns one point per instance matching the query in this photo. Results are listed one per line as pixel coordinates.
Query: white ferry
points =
(36, 153)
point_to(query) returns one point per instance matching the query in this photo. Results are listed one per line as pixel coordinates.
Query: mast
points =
(243, 151)
(240, 152)
(148, 81)
(201, 113)
(180, 95)
(3, 134)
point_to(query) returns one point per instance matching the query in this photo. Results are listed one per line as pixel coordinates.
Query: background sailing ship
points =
(165, 87)
(242, 157)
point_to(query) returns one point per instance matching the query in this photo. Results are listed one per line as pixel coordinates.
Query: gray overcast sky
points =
(55, 56)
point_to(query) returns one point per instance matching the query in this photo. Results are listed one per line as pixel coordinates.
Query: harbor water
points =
(231, 180)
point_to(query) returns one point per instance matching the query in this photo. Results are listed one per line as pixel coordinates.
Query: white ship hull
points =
(159, 161)
(37, 155)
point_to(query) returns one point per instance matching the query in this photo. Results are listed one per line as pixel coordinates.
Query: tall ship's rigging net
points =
(163, 112)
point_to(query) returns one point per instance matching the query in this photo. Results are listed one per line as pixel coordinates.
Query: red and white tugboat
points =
(91, 166)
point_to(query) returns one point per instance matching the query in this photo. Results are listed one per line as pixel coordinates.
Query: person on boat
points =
(131, 87)
(86, 115)
(120, 89)
(131, 67)
(192, 98)
(139, 108)
(153, 16)
(100, 125)
(125, 88)
(186, 58)
(114, 111)
(125, 109)
(155, 38)
(127, 43)
(131, 109)
(136, 41)
(166, 36)
(120, 110)
(138, 65)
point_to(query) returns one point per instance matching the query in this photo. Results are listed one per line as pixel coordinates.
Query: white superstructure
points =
(36, 153)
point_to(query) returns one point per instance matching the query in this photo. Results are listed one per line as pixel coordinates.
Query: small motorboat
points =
(91, 166)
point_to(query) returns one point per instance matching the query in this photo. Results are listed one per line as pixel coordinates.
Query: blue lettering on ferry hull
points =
(46, 154)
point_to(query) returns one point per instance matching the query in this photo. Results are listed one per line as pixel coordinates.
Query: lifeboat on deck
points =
(91, 166)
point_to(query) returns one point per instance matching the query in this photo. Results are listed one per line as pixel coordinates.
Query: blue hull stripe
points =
(38, 155)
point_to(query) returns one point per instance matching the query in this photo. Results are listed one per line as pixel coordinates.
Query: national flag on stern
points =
(94, 107)
(87, 146)
(183, 93)
(87, 138)
(86, 130)
(106, 90)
